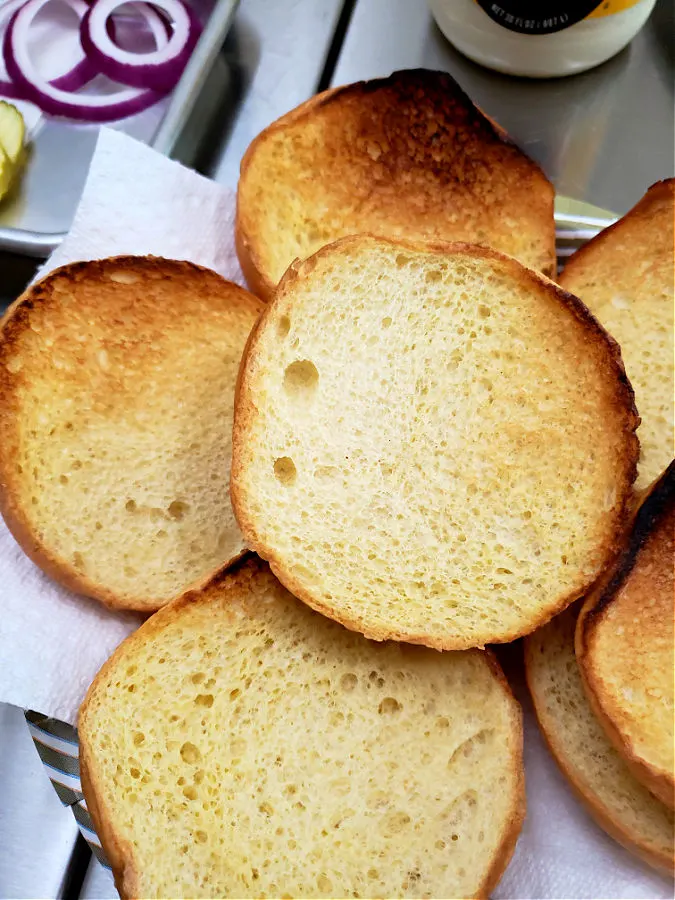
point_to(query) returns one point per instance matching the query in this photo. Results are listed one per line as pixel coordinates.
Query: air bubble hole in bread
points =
(431, 442)
(241, 745)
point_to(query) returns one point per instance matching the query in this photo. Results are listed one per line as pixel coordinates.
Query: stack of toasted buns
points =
(406, 439)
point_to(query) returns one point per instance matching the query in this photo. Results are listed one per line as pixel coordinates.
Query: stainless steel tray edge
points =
(194, 76)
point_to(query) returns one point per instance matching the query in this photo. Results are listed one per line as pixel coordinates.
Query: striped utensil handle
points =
(58, 749)
(572, 232)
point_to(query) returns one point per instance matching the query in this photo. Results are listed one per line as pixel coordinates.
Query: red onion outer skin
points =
(10, 91)
(162, 77)
(81, 74)
(77, 108)
(7, 88)
(85, 71)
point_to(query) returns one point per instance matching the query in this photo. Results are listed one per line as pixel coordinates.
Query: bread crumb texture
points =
(626, 276)
(116, 400)
(404, 156)
(431, 444)
(241, 745)
(622, 805)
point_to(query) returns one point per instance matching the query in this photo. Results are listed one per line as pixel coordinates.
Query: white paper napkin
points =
(561, 852)
(135, 201)
(52, 643)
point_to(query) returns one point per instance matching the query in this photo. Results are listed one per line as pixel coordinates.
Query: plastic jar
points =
(537, 39)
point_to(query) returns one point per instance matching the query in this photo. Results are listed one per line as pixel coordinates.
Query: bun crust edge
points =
(658, 499)
(251, 264)
(659, 192)
(12, 510)
(662, 861)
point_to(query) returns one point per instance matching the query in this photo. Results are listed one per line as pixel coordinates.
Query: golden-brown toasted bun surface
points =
(615, 798)
(626, 644)
(408, 156)
(241, 745)
(626, 276)
(116, 393)
(431, 442)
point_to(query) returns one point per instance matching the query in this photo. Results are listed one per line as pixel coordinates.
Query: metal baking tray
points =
(34, 220)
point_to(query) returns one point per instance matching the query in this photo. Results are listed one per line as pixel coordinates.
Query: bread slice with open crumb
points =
(625, 645)
(615, 798)
(408, 156)
(431, 443)
(116, 392)
(241, 745)
(626, 276)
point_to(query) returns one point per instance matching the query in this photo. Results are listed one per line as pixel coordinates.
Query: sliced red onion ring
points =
(72, 80)
(82, 73)
(84, 70)
(160, 69)
(8, 88)
(9, 8)
(56, 101)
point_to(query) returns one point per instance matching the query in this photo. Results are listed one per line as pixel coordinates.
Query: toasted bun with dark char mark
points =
(625, 646)
(408, 156)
